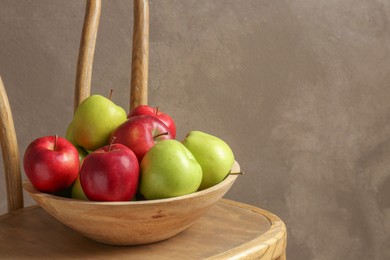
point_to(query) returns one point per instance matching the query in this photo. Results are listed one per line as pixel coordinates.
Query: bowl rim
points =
(28, 187)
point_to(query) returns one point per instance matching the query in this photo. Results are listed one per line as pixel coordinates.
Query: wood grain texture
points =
(270, 245)
(86, 51)
(140, 54)
(132, 222)
(228, 230)
(10, 152)
(224, 232)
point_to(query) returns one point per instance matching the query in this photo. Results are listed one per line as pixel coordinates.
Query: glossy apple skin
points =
(51, 165)
(77, 191)
(110, 174)
(154, 111)
(139, 134)
(93, 122)
(213, 154)
(169, 170)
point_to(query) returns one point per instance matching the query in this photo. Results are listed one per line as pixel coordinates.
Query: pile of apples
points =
(108, 155)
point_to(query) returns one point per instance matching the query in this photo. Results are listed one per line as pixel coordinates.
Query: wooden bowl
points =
(132, 222)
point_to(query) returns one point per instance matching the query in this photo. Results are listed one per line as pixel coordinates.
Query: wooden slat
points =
(10, 152)
(86, 51)
(140, 54)
(229, 230)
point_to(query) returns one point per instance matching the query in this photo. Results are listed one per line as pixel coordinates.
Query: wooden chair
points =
(230, 230)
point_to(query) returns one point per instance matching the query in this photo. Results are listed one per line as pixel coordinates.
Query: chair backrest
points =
(138, 88)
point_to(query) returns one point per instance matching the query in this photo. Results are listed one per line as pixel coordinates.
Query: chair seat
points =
(228, 229)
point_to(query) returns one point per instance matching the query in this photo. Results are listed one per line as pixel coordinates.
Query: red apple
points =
(110, 174)
(154, 111)
(140, 133)
(51, 163)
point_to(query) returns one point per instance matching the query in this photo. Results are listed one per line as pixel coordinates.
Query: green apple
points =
(77, 191)
(82, 153)
(94, 120)
(168, 169)
(69, 134)
(213, 154)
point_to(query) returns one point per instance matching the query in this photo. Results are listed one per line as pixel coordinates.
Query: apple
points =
(77, 191)
(94, 120)
(140, 133)
(169, 169)
(213, 154)
(110, 173)
(51, 163)
(69, 137)
(155, 111)
(82, 153)
(69, 134)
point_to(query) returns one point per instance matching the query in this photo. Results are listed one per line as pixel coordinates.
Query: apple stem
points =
(161, 134)
(110, 95)
(236, 173)
(156, 110)
(112, 141)
(55, 141)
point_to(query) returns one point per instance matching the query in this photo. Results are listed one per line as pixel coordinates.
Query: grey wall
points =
(299, 89)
